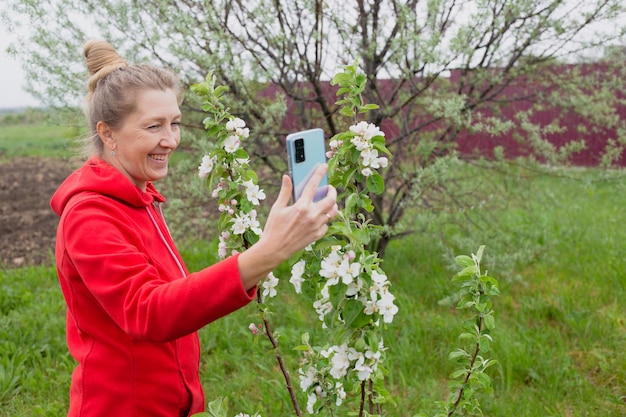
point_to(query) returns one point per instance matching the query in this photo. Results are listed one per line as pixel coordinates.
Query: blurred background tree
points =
(451, 77)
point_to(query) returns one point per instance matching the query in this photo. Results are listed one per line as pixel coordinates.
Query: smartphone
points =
(305, 151)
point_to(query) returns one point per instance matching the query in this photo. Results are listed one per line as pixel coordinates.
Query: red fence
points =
(573, 126)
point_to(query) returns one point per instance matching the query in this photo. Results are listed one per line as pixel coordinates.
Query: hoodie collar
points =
(98, 176)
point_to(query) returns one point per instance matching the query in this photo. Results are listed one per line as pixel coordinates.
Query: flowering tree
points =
(344, 281)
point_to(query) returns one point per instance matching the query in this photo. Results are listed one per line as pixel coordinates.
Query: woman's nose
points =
(171, 138)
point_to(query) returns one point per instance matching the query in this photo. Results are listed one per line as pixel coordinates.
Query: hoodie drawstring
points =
(167, 245)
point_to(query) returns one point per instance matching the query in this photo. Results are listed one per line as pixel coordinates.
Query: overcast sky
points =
(12, 81)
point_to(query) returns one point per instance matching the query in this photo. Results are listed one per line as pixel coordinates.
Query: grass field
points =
(560, 337)
(39, 138)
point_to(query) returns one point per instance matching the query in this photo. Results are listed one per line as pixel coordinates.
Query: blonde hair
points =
(113, 87)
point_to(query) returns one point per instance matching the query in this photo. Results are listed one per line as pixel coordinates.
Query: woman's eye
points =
(153, 127)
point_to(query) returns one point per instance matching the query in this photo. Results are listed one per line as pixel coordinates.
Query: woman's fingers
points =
(328, 205)
(284, 196)
(313, 184)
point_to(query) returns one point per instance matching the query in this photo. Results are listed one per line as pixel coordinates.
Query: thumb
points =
(284, 196)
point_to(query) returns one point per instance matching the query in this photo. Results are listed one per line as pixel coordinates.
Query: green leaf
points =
(352, 203)
(341, 78)
(484, 343)
(353, 314)
(347, 176)
(490, 322)
(458, 373)
(488, 363)
(479, 254)
(375, 183)
(240, 153)
(368, 107)
(468, 271)
(336, 295)
(459, 353)
(380, 146)
(464, 261)
(251, 237)
(347, 111)
(482, 379)
(465, 304)
(366, 204)
(467, 336)
(218, 408)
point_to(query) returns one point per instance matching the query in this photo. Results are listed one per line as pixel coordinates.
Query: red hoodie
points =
(133, 307)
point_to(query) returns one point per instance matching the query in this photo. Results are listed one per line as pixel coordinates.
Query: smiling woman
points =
(134, 308)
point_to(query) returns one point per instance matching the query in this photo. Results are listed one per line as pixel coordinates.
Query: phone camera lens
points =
(299, 145)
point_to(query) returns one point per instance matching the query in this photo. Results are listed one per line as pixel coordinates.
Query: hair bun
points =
(102, 59)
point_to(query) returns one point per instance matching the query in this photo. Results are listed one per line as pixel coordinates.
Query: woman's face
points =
(148, 136)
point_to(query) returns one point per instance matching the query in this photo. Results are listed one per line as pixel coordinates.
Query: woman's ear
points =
(106, 135)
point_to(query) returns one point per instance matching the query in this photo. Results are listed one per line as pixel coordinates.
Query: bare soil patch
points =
(27, 224)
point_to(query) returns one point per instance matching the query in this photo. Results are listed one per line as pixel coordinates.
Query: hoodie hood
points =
(98, 176)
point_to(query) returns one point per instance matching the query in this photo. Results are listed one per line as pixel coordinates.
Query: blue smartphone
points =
(305, 151)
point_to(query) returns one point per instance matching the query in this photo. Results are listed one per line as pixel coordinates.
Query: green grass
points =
(37, 139)
(560, 337)
(37, 132)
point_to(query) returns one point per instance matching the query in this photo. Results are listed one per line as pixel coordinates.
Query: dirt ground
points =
(27, 224)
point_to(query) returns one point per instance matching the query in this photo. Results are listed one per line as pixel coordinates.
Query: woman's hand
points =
(289, 228)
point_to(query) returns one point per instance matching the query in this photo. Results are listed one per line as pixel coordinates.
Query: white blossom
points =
(367, 130)
(334, 144)
(348, 271)
(312, 399)
(370, 307)
(307, 378)
(253, 223)
(216, 191)
(253, 328)
(337, 267)
(364, 370)
(269, 285)
(354, 287)
(341, 394)
(239, 225)
(231, 143)
(378, 277)
(386, 306)
(221, 247)
(243, 132)
(234, 124)
(253, 192)
(379, 282)
(330, 266)
(368, 156)
(243, 222)
(360, 143)
(325, 353)
(297, 270)
(322, 307)
(206, 166)
(382, 161)
(340, 362)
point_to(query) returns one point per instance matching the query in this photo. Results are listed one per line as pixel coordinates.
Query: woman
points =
(133, 307)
